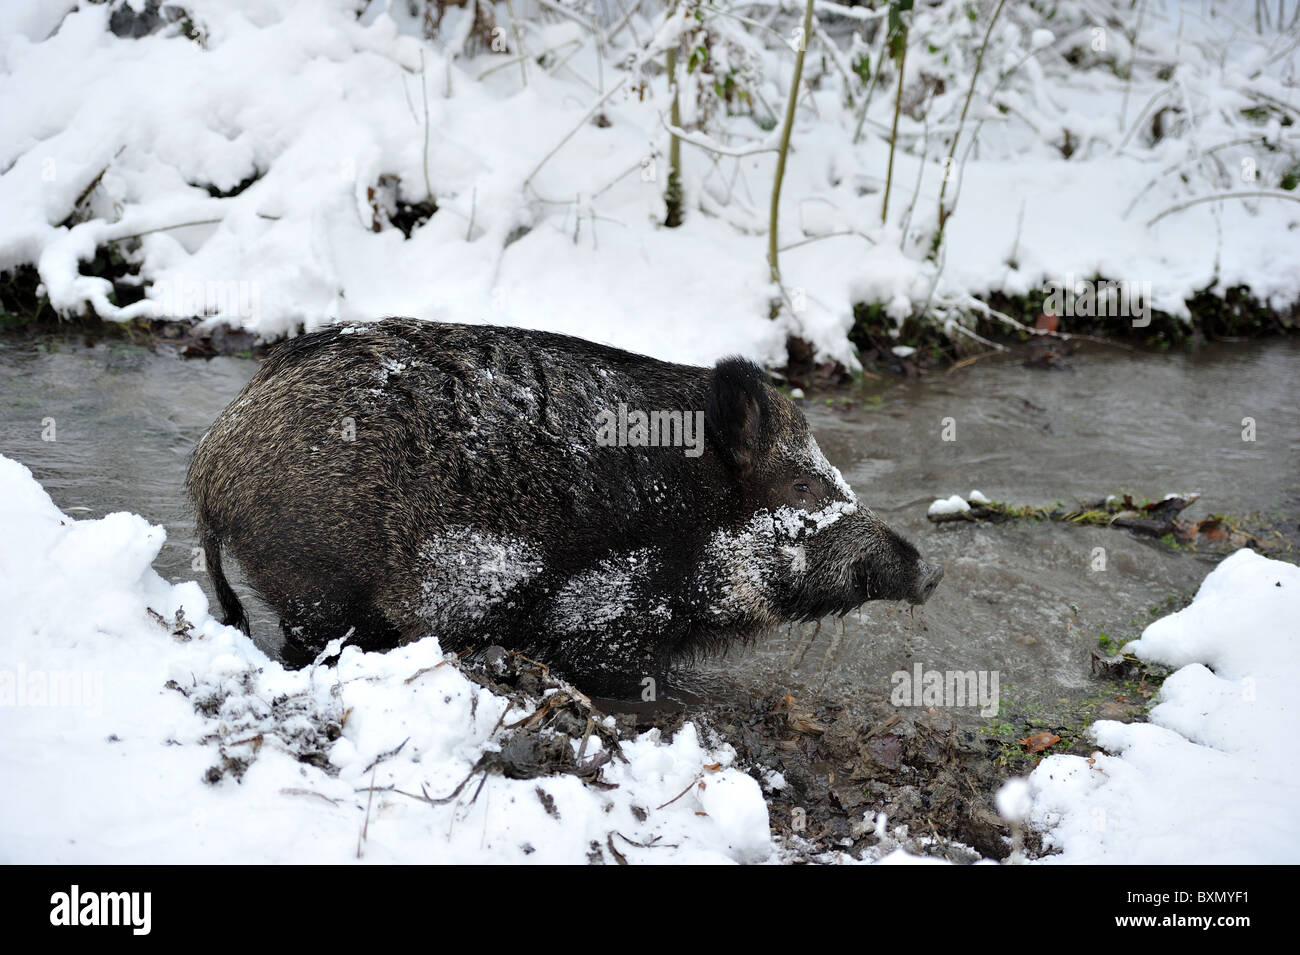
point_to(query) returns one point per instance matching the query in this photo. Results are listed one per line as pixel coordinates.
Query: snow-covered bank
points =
(121, 742)
(1215, 776)
(1065, 169)
(135, 736)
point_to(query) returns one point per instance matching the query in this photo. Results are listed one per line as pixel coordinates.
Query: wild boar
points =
(599, 510)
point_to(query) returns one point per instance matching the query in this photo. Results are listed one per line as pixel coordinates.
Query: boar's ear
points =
(737, 411)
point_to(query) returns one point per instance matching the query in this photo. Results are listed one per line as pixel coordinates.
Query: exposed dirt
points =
(836, 784)
(932, 781)
(827, 775)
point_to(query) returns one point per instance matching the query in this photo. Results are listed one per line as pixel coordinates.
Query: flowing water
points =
(1020, 600)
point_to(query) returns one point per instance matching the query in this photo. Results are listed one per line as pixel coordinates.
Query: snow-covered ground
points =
(115, 732)
(1215, 776)
(105, 755)
(1062, 170)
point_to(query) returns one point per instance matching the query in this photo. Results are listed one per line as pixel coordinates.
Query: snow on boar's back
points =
(596, 509)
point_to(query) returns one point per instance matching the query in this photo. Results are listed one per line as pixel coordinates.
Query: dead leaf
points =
(1037, 742)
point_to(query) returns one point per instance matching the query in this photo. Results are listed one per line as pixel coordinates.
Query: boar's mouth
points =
(927, 580)
(867, 585)
(915, 586)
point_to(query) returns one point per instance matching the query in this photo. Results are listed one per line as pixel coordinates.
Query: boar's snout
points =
(927, 578)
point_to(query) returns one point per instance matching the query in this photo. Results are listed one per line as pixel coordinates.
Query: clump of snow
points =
(949, 505)
(135, 728)
(1214, 777)
(1013, 800)
(975, 497)
(465, 572)
(794, 523)
(606, 592)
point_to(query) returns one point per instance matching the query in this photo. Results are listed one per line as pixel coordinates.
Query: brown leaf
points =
(887, 751)
(1037, 742)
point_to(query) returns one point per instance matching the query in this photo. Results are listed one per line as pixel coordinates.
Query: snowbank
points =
(1215, 776)
(250, 173)
(127, 737)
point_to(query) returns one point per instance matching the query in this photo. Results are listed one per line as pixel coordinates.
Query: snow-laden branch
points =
(704, 141)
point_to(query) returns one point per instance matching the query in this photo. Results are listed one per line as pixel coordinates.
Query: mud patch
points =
(841, 784)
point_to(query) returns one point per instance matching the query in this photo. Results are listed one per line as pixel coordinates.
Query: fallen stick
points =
(1158, 519)
(1153, 518)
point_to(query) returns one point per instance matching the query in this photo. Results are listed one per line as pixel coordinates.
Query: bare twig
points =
(365, 828)
(692, 784)
(573, 132)
(773, 250)
(828, 235)
(1222, 195)
(519, 42)
(988, 311)
(388, 755)
(970, 93)
(1132, 65)
(893, 134)
(704, 142)
(424, 93)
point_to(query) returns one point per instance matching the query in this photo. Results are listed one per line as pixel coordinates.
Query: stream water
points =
(1021, 599)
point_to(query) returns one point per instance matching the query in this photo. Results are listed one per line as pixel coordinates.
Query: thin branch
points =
(970, 93)
(705, 142)
(504, 63)
(573, 132)
(1132, 65)
(893, 136)
(519, 41)
(424, 93)
(773, 251)
(1222, 195)
(988, 311)
(828, 235)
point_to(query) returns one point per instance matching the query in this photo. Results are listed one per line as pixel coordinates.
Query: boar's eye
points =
(807, 487)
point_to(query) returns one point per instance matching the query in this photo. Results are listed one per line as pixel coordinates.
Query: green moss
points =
(1128, 698)
(875, 332)
(22, 302)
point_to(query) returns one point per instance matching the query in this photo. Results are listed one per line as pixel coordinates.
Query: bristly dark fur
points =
(402, 478)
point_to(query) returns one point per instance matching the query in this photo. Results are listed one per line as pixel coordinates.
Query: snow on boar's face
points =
(804, 547)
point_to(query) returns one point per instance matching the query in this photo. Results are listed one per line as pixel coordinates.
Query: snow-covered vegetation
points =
(278, 165)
